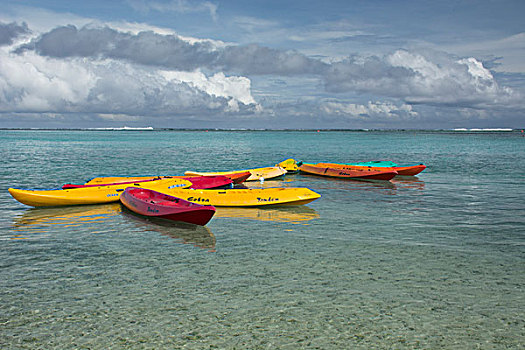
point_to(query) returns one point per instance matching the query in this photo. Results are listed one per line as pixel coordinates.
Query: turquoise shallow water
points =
(433, 261)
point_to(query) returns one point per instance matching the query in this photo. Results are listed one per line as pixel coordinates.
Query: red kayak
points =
(239, 178)
(198, 182)
(155, 204)
(355, 174)
(236, 178)
(208, 182)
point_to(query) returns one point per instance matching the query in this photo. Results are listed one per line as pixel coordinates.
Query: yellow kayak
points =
(247, 197)
(257, 173)
(89, 195)
(290, 165)
(117, 179)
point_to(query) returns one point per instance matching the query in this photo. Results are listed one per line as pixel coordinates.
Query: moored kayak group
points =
(192, 198)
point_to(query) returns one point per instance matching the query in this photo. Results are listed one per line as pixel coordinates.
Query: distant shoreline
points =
(127, 129)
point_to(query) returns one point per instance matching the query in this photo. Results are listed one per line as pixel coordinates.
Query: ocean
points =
(435, 261)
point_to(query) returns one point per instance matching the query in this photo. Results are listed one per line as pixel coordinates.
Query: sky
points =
(370, 64)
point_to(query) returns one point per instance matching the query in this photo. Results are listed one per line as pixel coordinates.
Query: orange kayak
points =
(405, 170)
(335, 170)
(410, 170)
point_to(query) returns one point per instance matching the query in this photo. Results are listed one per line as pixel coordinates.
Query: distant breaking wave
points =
(123, 128)
(494, 129)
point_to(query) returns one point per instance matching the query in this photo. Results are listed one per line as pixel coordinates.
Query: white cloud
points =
(476, 69)
(32, 83)
(118, 117)
(463, 81)
(432, 78)
(377, 110)
(236, 88)
(136, 79)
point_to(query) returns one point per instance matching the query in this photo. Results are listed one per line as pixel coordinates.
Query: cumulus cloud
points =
(376, 110)
(115, 72)
(461, 82)
(434, 78)
(416, 78)
(219, 85)
(10, 31)
(33, 83)
(145, 47)
(169, 51)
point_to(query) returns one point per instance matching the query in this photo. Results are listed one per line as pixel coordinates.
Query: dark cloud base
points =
(10, 31)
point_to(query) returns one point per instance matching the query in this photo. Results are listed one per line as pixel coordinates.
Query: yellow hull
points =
(247, 197)
(257, 174)
(89, 195)
(290, 165)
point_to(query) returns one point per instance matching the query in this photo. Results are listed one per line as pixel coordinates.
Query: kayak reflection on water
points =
(199, 236)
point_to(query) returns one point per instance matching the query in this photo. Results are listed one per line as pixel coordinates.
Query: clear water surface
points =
(426, 262)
